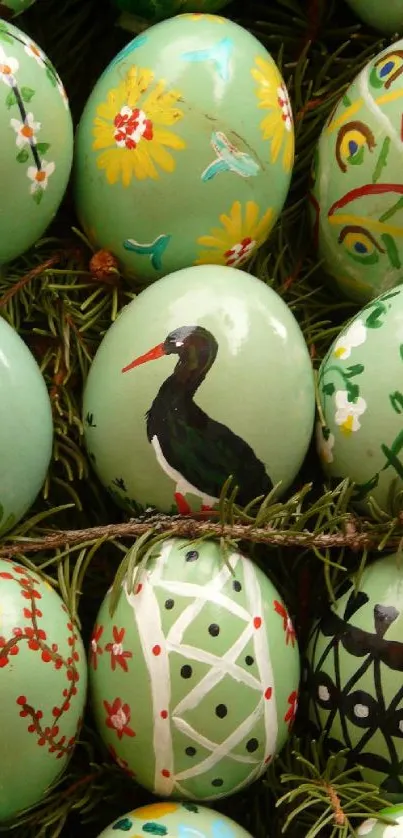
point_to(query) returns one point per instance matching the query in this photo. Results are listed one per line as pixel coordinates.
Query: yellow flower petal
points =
(273, 97)
(143, 137)
(154, 811)
(251, 216)
(233, 243)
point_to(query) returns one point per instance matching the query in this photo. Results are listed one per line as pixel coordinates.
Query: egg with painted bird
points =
(43, 680)
(194, 675)
(359, 435)
(356, 199)
(385, 17)
(36, 142)
(26, 428)
(175, 820)
(391, 827)
(185, 148)
(193, 385)
(353, 677)
(154, 10)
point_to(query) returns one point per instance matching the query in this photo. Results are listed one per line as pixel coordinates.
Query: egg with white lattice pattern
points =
(194, 678)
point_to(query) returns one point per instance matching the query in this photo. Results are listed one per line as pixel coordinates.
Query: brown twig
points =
(190, 528)
(27, 278)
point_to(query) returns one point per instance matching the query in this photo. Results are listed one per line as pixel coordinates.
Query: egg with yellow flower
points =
(185, 148)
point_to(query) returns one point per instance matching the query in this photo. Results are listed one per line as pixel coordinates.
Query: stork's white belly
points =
(182, 485)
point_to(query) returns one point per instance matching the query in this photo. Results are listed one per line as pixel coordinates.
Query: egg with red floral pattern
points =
(43, 678)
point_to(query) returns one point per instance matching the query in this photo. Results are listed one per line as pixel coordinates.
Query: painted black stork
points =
(195, 451)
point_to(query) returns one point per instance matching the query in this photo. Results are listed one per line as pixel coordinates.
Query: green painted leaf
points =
(38, 195)
(11, 99)
(42, 148)
(355, 369)
(373, 321)
(396, 400)
(22, 156)
(353, 391)
(4, 35)
(328, 389)
(51, 76)
(27, 93)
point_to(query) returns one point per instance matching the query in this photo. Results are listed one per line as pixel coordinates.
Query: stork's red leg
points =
(182, 504)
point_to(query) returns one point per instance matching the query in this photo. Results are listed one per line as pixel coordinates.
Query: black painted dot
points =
(249, 660)
(214, 629)
(169, 603)
(190, 751)
(217, 782)
(186, 671)
(191, 556)
(237, 586)
(252, 745)
(221, 711)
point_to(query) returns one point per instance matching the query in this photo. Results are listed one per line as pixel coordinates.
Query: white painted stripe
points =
(204, 594)
(199, 739)
(223, 749)
(147, 616)
(378, 112)
(262, 658)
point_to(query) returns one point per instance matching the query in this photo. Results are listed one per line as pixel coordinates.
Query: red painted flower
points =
(122, 763)
(292, 710)
(287, 623)
(118, 655)
(95, 648)
(118, 718)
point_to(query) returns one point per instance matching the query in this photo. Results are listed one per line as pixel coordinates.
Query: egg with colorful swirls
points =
(175, 820)
(185, 148)
(356, 199)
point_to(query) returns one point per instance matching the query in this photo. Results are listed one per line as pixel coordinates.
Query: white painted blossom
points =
(26, 131)
(34, 52)
(8, 68)
(354, 336)
(324, 446)
(348, 413)
(367, 827)
(40, 177)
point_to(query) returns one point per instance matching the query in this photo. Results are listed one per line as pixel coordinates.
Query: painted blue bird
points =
(229, 159)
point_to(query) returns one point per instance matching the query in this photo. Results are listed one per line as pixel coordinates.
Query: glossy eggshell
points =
(161, 9)
(355, 664)
(259, 382)
(385, 17)
(36, 142)
(26, 427)
(43, 677)
(357, 184)
(194, 678)
(175, 820)
(361, 398)
(185, 148)
(13, 8)
(377, 829)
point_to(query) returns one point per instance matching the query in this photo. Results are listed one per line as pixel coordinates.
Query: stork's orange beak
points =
(152, 355)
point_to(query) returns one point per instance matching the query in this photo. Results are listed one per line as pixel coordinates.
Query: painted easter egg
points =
(355, 665)
(12, 8)
(193, 384)
(26, 427)
(36, 142)
(378, 829)
(386, 18)
(360, 393)
(175, 820)
(152, 10)
(43, 679)
(357, 186)
(194, 679)
(188, 134)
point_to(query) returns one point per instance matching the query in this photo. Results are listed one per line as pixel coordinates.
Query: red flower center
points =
(239, 252)
(131, 125)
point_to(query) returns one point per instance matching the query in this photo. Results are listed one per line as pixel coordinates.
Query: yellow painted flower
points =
(130, 128)
(196, 16)
(242, 231)
(155, 810)
(278, 125)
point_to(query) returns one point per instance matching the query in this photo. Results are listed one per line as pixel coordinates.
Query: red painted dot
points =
(165, 772)
(268, 693)
(156, 650)
(257, 622)
(139, 588)
(164, 714)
